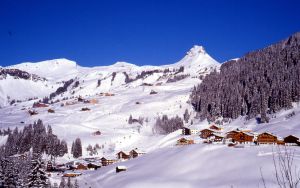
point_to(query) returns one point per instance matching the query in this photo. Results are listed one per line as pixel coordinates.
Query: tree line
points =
(260, 83)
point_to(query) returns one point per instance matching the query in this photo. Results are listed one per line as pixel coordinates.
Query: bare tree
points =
(287, 174)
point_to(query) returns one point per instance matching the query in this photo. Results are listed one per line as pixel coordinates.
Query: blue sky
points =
(141, 32)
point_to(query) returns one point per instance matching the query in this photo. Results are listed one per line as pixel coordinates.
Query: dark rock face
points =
(19, 74)
(260, 83)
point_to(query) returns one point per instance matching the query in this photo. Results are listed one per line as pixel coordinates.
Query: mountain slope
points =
(258, 84)
(120, 90)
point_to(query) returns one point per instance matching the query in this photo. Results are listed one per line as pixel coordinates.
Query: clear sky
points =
(141, 32)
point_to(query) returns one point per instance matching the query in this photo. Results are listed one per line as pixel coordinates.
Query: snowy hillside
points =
(117, 108)
(129, 85)
(192, 167)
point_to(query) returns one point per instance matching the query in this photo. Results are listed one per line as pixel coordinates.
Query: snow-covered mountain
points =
(117, 76)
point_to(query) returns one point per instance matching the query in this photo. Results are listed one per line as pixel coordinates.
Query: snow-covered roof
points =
(122, 167)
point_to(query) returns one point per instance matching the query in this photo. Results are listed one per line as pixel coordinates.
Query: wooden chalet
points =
(240, 136)
(205, 133)
(184, 141)
(81, 167)
(266, 138)
(93, 166)
(135, 153)
(215, 138)
(214, 127)
(123, 155)
(291, 140)
(280, 142)
(106, 162)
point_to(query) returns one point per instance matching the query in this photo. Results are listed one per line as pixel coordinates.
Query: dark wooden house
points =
(205, 133)
(186, 131)
(106, 162)
(266, 138)
(81, 167)
(291, 140)
(135, 153)
(123, 155)
(93, 166)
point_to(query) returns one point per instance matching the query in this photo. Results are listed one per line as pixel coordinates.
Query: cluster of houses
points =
(74, 168)
(215, 134)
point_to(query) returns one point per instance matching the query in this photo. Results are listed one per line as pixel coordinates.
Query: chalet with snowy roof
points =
(93, 166)
(120, 169)
(81, 167)
(214, 137)
(106, 162)
(123, 155)
(240, 136)
(184, 141)
(266, 138)
(291, 140)
(205, 133)
(214, 127)
(135, 153)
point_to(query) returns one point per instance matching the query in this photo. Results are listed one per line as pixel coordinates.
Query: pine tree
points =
(186, 116)
(77, 150)
(37, 177)
(130, 120)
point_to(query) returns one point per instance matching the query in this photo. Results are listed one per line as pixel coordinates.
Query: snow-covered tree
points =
(77, 148)
(37, 177)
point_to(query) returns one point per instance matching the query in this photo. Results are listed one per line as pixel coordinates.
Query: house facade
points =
(135, 153)
(183, 141)
(266, 138)
(215, 138)
(291, 140)
(123, 155)
(240, 137)
(205, 133)
(106, 162)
